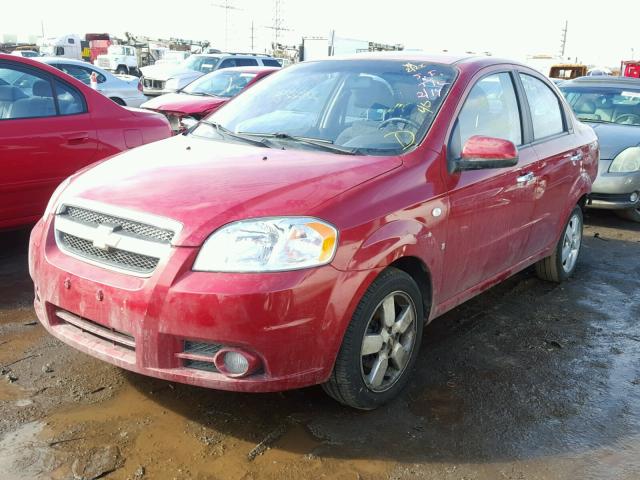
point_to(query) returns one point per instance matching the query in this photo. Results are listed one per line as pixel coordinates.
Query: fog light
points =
(233, 362)
(634, 197)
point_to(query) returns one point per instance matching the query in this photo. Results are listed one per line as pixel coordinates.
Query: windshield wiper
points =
(199, 94)
(593, 120)
(315, 142)
(225, 132)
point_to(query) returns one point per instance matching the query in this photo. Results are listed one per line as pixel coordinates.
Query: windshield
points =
(619, 105)
(201, 64)
(116, 50)
(221, 83)
(376, 107)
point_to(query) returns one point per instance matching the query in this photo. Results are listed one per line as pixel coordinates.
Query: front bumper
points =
(613, 191)
(155, 92)
(292, 321)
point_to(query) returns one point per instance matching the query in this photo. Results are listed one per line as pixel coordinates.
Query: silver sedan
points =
(611, 105)
(125, 90)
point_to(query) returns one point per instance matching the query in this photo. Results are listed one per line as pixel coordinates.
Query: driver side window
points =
(491, 110)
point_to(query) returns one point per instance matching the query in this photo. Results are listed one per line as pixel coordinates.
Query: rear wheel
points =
(561, 264)
(381, 343)
(632, 214)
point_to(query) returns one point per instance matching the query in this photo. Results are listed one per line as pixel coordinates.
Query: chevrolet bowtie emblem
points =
(104, 239)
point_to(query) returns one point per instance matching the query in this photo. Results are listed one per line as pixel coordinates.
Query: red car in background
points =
(205, 95)
(52, 125)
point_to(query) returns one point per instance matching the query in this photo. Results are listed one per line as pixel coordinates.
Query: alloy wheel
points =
(571, 243)
(389, 340)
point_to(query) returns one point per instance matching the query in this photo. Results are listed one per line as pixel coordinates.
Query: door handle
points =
(526, 178)
(77, 138)
(576, 157)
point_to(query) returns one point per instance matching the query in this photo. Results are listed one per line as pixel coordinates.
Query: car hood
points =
(184, 103)
(614, 138)
(205, 184)
(165, 72)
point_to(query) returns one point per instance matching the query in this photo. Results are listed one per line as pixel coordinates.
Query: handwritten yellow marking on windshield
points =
(402, 136)
(425, 107)
(412, 67)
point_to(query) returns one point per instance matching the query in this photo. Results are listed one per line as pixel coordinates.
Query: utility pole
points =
(278, 23)
(252, 35)
(563, 42)
(226, 5)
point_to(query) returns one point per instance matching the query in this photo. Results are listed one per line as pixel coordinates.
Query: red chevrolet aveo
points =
(52, 125)
(305, 232)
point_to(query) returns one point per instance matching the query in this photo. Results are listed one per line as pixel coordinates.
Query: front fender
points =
(393, 240)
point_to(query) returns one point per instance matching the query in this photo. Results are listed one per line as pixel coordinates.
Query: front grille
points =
(196, 354)
(199, 365)
(201, 348)
(148, 232)
(153, 84)
(612, 197)
(114, 257)
(115, 238)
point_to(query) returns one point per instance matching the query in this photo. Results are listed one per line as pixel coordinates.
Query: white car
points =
(125, 90)
(161, 79)
(25, 53)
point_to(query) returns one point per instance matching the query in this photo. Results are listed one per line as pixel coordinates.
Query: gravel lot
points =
(528, 381)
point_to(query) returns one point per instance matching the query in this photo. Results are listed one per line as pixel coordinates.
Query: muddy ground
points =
(528, 381)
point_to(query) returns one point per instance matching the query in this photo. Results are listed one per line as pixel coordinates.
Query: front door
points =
(490, 210)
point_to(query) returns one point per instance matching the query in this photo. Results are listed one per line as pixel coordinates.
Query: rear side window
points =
(80, 73)
(270, 62)
(70, 101)
(490, 110)
(246, 62)
(546, 113)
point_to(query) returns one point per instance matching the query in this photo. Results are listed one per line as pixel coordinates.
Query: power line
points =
(226, 5)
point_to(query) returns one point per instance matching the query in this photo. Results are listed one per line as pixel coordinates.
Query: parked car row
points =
(306, 232)
(52, 125)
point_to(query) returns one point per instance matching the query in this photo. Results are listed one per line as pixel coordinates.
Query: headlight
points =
(187, 122)
(171, 84)
(53, 201)
(626, 161)
(268, 245)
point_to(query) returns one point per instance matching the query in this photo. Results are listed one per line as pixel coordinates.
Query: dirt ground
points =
(528, 381)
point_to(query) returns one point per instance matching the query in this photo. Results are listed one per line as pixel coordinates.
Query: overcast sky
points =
(601, 36)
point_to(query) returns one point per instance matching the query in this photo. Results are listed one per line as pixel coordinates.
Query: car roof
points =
(249, 69)
(462, 60)
(63, 60)
(227, 54)
(603, 81)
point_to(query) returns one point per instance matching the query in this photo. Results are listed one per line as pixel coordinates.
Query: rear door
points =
(560, 159)
(490, 210)
(46, 134)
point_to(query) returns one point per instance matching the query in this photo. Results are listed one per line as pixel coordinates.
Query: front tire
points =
(561, 264)
(632, 214)
(122, 70)
(119, 101)
(381, 344)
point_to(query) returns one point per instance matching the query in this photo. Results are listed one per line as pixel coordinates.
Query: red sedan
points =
(304, 233)
(205, 95)
(52, 125)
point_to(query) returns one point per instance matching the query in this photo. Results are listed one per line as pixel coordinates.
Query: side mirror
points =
(487, 152)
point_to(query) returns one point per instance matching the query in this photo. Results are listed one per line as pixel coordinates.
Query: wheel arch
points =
(417, 269)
